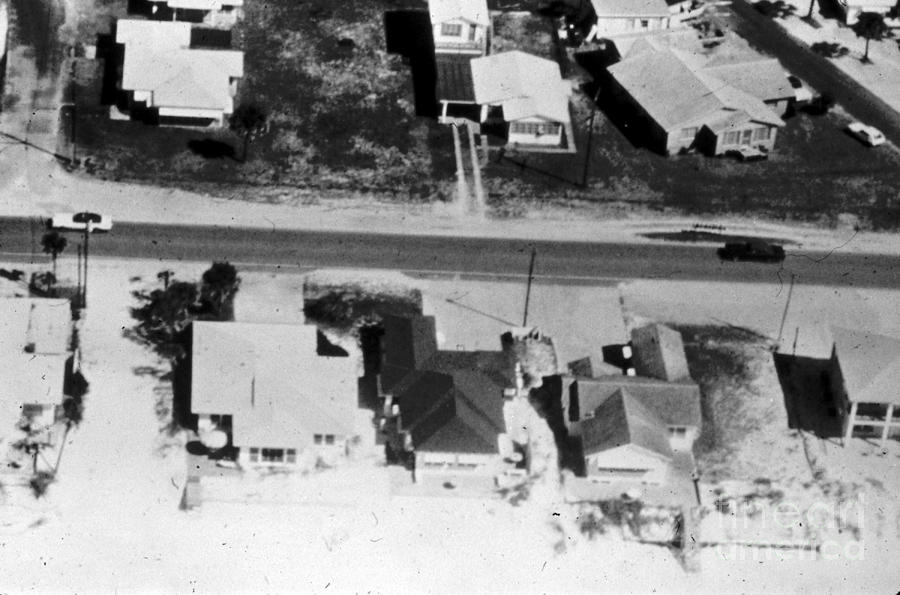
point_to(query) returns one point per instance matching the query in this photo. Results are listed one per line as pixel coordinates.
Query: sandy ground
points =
(111, 521)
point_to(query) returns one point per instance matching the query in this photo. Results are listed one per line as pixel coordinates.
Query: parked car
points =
(867, 134)
(80, 221)
(802, 93)
(754, 250)
(747, 153)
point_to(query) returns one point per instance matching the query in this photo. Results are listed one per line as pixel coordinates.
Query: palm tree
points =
(53, 244)
(219, 284)
(870, 25)
(248, 120)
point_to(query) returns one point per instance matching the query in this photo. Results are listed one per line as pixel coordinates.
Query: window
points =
(688, 133)
(451, 29)
(329, 438)
(472, 30)
(760, 134)
(644, 23)
(273, 455)
(678, 432)
(534, 128)
(291, 456)
(254, 455)
(731, 138)
(317, 438)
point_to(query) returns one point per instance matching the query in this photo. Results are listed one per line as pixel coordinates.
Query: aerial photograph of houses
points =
(450, 296)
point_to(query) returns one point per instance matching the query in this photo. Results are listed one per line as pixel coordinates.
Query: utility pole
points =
(87, 235)
(787, 305)
(528, 290)
(79, 270)
(587, 151)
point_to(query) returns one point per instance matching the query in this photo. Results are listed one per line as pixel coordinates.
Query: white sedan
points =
(867, 134)
(80, 221)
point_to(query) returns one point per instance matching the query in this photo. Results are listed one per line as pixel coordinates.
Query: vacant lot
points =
(342, 119)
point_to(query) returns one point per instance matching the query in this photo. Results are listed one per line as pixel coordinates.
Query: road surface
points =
(292, 251)
(764, 34)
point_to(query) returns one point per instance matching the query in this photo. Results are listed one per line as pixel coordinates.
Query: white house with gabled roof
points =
(174, 83)
(266, 388)
(530, 96)
(460, 26)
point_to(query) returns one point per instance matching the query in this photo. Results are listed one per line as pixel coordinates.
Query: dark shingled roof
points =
(659, 352)
(461, 411)
(406, 344)
(674, 403)
(622, 419)
(454, 78)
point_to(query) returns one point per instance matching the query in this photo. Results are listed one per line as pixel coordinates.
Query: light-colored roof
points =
(678, 96)
(271, 380)
(763, 78)
(160, 63)
(472, 11)
(156, 35)
(870, 365)
(32, 379)
(202, 4)
(630, 8)
(44, 324)
(523, 84)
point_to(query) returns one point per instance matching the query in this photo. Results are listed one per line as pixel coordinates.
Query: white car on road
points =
(867, 134)
(80, 221)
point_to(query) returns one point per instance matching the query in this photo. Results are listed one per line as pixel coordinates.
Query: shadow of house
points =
(112, 55)
(408, 33)
(209, 148)
(808, 395)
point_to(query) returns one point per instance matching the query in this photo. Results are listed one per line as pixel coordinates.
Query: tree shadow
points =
(808, 395)
(775, 9)
(209, 148)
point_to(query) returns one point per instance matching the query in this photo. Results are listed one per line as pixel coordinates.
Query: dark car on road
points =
(754, 250)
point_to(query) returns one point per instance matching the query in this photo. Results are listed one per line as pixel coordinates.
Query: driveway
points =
(763, 33)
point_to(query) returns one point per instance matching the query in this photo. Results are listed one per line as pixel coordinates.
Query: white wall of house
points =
(627, 463)
(681, 438)
(535, 131)
(459, 35)
(751, 133)
(853, 8)
(284, 456)
(607, 26)
(441, 463)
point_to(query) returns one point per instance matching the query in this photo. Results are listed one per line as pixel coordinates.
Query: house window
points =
(451, 29)
(329, 438)
(534, 128)
(689, 133)
(760, 134)
(473, 29)
(318, 438)
(254, 455)
(273, 455)
(732, 138)
(678, 432)
(746, 136)
(291, 456)
(645, 23)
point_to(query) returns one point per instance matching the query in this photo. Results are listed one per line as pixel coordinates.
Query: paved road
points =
(824, 76)
(290, 251)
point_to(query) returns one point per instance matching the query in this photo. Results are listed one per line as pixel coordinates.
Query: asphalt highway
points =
(574, 262)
